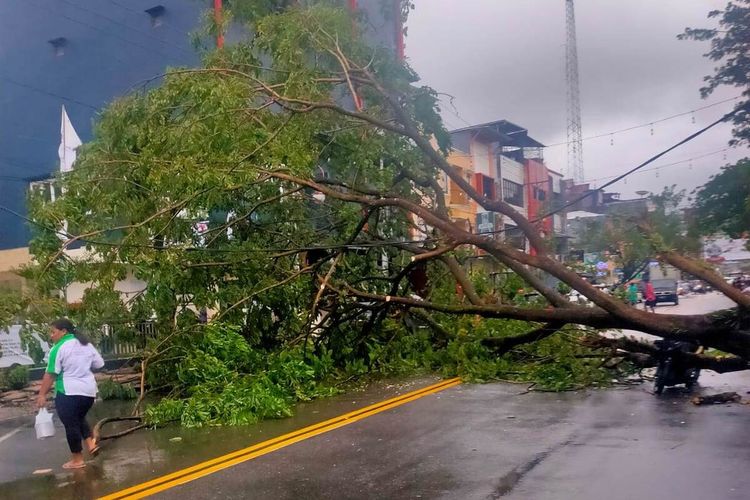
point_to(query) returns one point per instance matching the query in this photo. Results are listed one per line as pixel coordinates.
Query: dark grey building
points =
(81, 54)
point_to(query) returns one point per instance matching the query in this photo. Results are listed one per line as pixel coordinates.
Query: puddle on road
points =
(147, 454)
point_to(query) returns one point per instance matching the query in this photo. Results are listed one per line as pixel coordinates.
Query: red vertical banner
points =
(399, 30)
(219, 27)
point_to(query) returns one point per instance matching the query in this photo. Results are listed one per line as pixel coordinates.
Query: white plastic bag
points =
(44, 426)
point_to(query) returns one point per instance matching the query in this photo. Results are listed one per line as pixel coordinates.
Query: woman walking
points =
(649, 296)
(71, 361)
(633, 293)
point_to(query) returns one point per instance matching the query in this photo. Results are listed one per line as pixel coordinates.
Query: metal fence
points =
(125, 340)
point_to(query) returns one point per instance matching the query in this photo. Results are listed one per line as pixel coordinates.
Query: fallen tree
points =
(295, 186)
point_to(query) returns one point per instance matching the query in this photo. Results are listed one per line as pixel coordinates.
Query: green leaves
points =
(722, 205)
(729, 49)
(224, 381)
(109, 389)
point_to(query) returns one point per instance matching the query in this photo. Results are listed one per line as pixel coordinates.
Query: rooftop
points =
(505, 132)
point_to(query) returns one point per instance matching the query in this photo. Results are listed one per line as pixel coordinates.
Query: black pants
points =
(72, 411)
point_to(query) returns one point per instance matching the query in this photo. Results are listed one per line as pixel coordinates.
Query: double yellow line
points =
(210, 466)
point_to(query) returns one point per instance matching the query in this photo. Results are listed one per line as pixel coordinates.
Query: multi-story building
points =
(503, 162)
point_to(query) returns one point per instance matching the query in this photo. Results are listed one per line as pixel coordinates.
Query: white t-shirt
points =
(73, 362)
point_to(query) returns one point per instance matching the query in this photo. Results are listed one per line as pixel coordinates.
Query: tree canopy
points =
(723, 203)
(730, 50)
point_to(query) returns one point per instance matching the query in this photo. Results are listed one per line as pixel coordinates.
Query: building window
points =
(515, 237)
(156, 14)
(486, 186)
(486, 222)
(513, 193)
(539, 194)
(44, 188)
(58, 45)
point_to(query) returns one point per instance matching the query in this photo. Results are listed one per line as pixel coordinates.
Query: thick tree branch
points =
(501, 345)
(437, 252)
(460, 276)
(706, 274)
(443, 334)
(594, 317)
(662, 324)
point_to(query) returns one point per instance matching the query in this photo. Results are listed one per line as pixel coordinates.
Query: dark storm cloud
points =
(505, 59)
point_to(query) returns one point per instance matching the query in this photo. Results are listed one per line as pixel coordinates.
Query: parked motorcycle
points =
(670, 370)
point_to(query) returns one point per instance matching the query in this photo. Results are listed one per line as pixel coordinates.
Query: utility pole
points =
(575, 138)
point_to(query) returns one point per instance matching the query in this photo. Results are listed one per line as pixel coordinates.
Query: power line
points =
(628, 129)
(113, 21)
(426, 240)
(125, 7)
(150, 50)
(652, 169)
(393, 242)
(659, 167)
(626, 174)
(51, 94)
(353, 246)
(648, 124)
(635, 169)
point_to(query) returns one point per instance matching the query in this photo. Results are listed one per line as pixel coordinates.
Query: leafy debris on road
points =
(714, 399)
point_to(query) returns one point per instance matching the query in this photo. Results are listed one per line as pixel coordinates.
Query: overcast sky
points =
(505, 59)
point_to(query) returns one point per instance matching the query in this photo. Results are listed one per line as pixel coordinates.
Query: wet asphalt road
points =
(488, 442)
(471, 441)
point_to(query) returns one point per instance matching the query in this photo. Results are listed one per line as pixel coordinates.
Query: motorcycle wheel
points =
(692, 378)
(659, 380)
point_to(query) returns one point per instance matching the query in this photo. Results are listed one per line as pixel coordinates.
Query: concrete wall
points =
(462, 161)
(128, 288)
(558, 224)
(481, 156)
(511, 170)
(13, 258)
(556, 181)
(10, 261)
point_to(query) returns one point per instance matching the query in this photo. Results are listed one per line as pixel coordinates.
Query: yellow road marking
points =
(210, 466)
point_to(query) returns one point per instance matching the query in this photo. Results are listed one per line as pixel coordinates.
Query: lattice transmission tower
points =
(575, 139)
